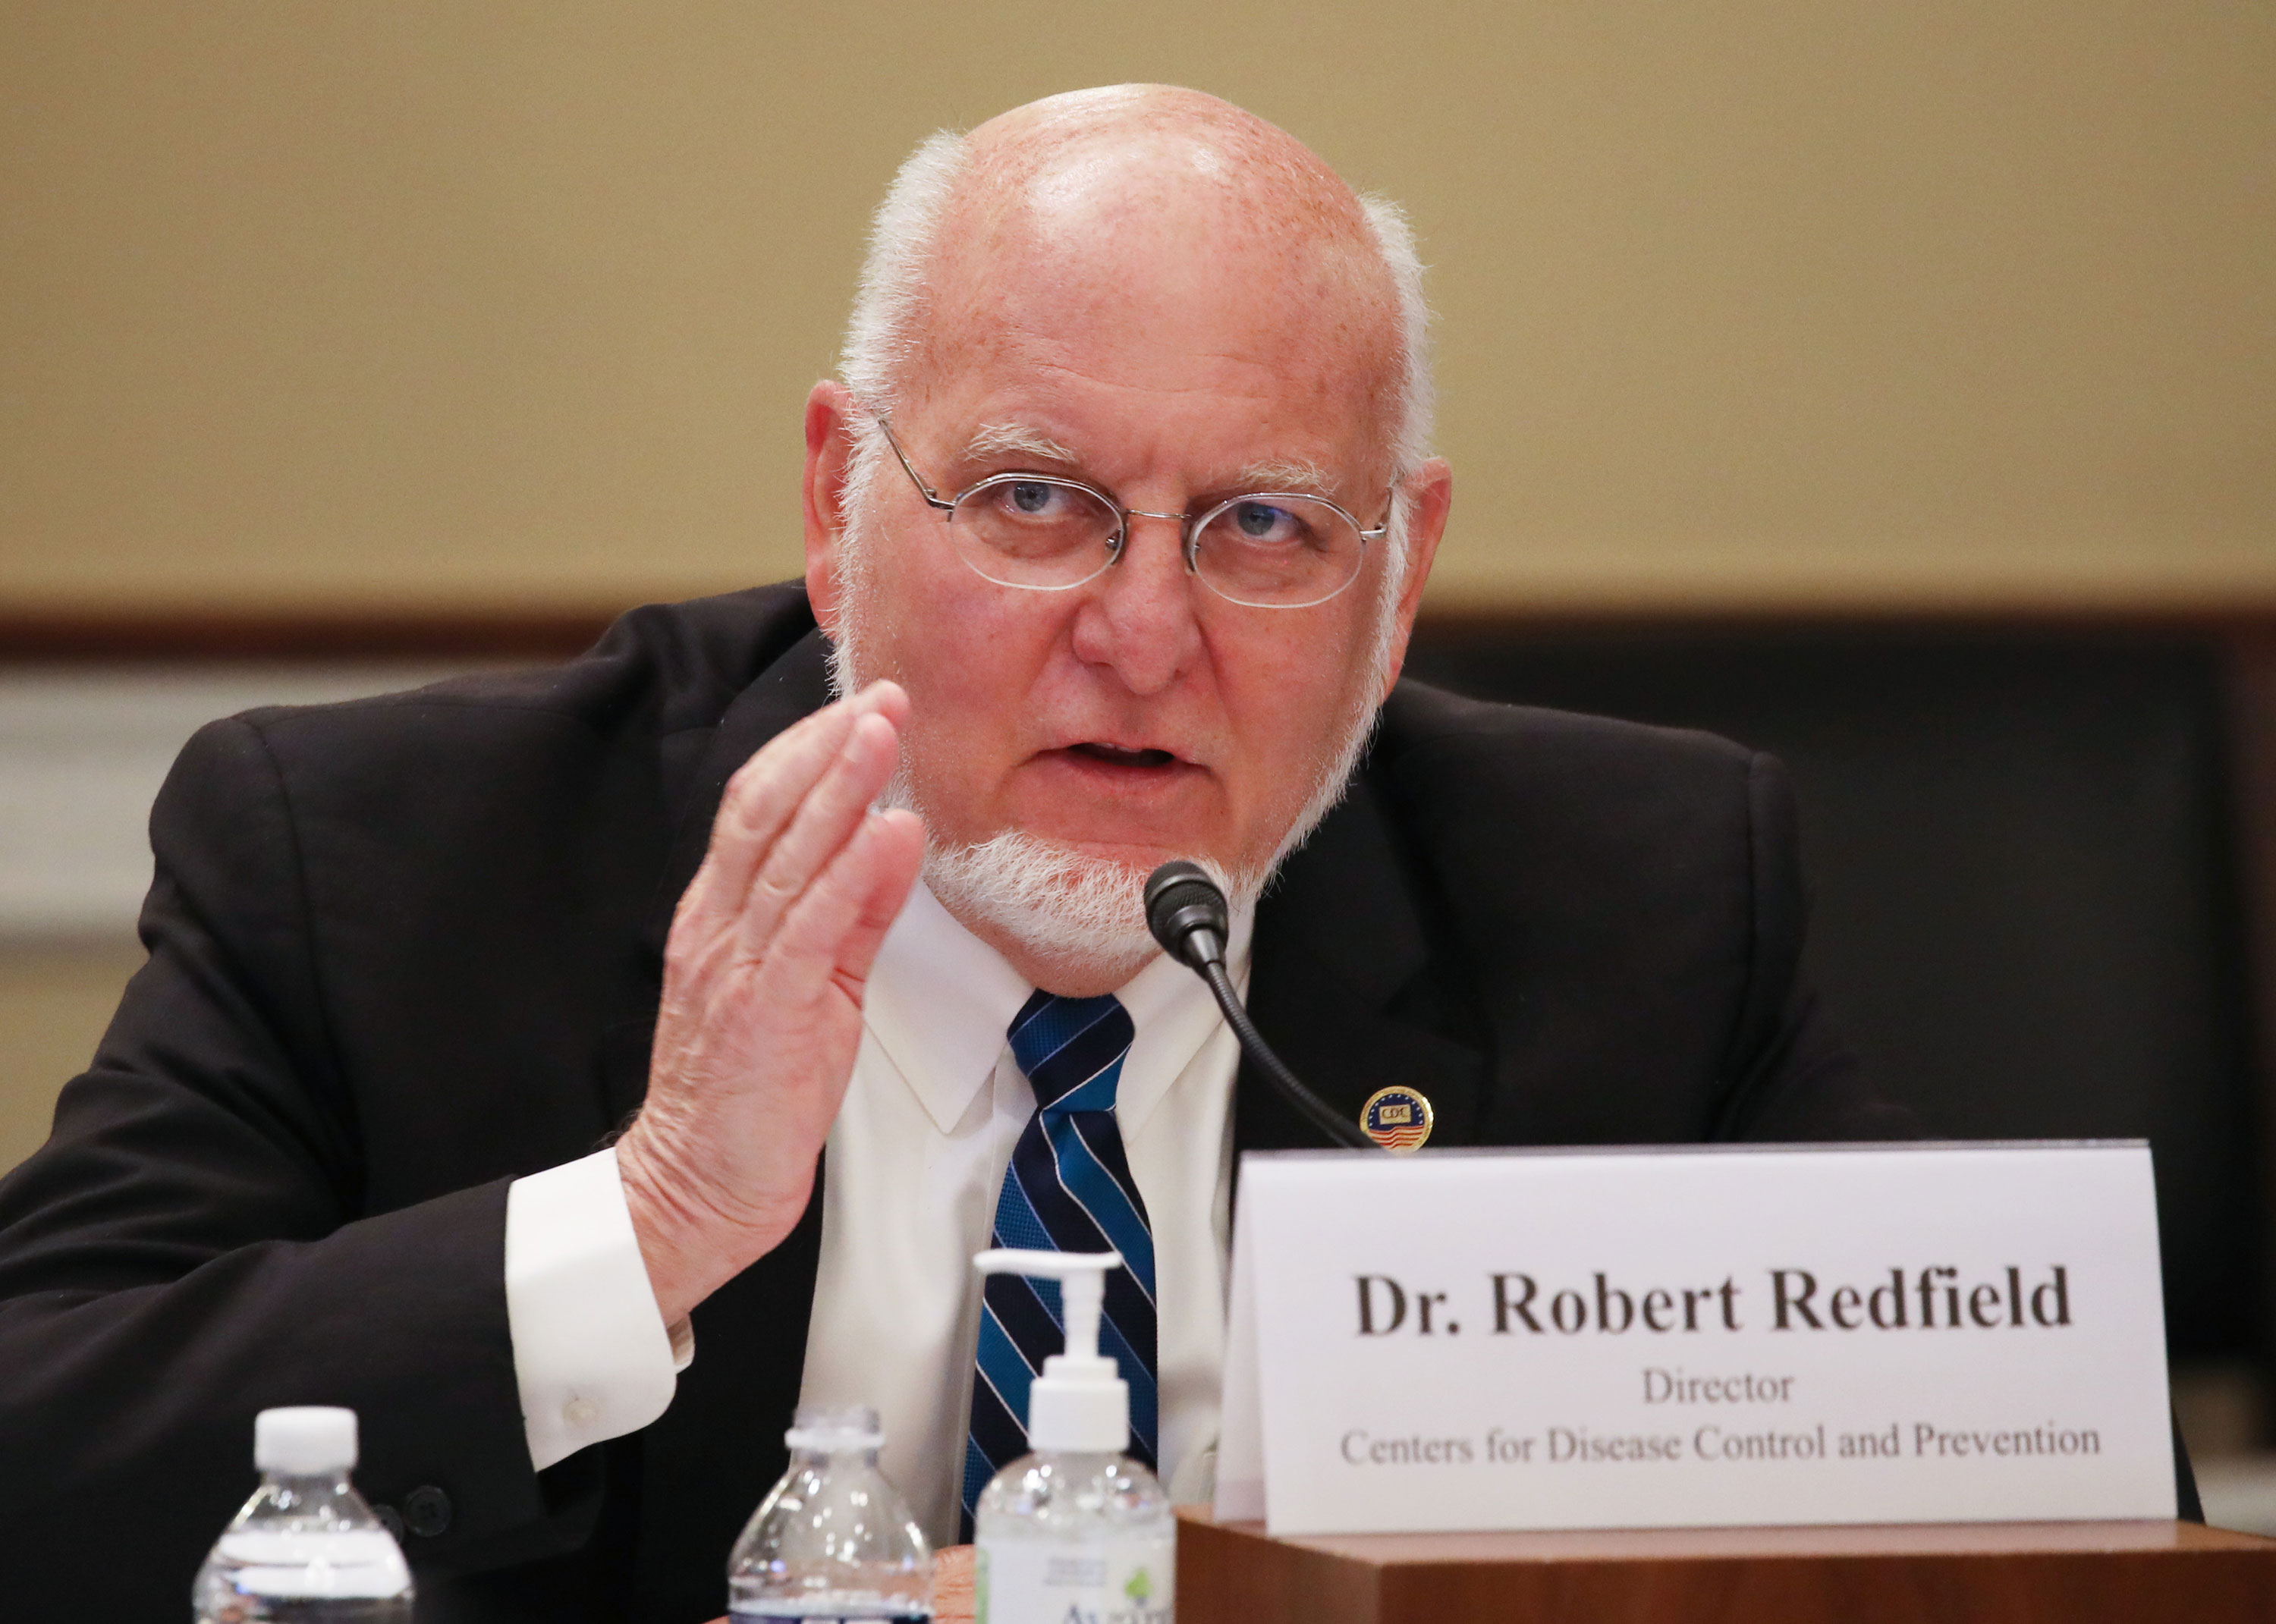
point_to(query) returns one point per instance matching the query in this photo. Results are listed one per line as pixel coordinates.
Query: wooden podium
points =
(2015, 1572)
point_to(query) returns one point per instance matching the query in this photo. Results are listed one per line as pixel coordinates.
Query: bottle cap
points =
(1080, 1403)
(832, 1429)
(305, 1440)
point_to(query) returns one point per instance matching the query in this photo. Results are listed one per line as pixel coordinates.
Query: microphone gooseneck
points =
(1185, 910)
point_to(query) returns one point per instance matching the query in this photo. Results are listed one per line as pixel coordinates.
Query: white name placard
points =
(1696, 1337)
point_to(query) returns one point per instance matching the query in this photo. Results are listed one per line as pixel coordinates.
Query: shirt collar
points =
(940, 1003)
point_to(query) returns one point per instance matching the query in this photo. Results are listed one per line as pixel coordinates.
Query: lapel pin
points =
(1397, 1118)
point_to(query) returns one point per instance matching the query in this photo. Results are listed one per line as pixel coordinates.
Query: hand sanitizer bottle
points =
(1076, 1529)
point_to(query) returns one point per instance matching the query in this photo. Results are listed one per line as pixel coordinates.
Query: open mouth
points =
(1114, 756)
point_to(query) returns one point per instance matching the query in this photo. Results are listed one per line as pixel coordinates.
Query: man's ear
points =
(829, 454)
(1432, 490)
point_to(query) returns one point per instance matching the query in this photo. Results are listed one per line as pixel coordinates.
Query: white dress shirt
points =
(914, 1162)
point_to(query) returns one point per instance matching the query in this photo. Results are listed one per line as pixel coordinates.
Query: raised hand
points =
(764, 974)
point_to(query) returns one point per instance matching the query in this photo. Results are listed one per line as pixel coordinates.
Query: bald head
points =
(1161, 146)
(1154, 217)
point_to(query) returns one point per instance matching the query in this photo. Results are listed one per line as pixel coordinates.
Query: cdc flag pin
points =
(1399, 1120)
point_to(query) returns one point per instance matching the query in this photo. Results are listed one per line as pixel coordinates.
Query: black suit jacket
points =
(406, 949)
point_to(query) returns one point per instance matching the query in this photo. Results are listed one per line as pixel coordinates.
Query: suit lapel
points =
(1341, 944)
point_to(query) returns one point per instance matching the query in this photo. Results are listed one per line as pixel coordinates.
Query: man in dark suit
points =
(1115, 534)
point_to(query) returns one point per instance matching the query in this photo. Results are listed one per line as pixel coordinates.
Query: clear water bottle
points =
(306, 1549)
(834, 1540)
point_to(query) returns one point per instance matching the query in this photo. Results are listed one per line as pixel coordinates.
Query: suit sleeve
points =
(1792, 1079)
(193, 1245)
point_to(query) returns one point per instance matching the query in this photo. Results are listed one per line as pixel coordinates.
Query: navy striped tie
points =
(1068, 1190)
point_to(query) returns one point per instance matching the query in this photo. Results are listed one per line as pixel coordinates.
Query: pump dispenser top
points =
(1080, 1403)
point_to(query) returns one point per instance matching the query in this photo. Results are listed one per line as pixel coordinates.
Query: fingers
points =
(826, 820)
(888, 700)
(833, 931)
(760, 800)
(766, 793)
(899, 855)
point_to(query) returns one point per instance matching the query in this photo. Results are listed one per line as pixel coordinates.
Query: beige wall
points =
(369, 305)
(55, 1002)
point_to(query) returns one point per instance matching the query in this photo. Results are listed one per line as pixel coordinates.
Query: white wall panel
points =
(83, 752)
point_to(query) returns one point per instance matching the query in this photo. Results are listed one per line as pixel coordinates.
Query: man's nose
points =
(1140, 623)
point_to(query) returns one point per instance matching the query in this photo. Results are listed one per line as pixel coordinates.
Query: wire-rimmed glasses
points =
(1046, 532)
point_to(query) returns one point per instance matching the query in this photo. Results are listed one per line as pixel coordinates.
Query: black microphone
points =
(1186, 911)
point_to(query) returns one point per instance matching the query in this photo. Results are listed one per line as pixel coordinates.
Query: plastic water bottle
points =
(834, 1540)
(306, 1549)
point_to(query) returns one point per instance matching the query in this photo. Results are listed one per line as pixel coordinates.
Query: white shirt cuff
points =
(592, 1355)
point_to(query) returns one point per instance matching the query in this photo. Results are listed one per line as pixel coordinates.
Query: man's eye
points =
(1262, 521)
(1033, 497)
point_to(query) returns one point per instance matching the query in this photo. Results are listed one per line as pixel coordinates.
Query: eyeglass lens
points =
(1281, 552)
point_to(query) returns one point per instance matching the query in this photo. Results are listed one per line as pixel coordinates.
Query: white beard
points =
(1063, 905)
(1070, 907)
